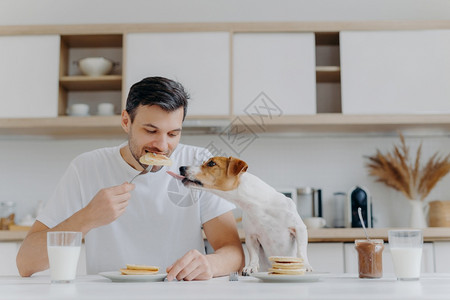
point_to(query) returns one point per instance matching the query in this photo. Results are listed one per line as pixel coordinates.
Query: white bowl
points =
(95, 66)
(78, 109)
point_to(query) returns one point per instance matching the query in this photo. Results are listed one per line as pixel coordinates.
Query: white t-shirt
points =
(153, 230)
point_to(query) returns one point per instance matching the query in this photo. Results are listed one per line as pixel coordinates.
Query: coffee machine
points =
(309, 202)
(359, 197)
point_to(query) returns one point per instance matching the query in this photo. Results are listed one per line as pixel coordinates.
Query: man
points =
(137, 223)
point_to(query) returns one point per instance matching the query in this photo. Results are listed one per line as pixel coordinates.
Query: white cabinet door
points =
(442, 257)
(29, 72)
(326, 257)
(274, 73)
(395, 72)
(323, 257)
(200, 61)
(8, 255)
(351, 259)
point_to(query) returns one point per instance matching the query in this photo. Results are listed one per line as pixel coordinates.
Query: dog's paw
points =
(249, 270)
(308, 268)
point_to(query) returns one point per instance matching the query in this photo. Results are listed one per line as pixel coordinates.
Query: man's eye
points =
(150, 131)
(211, 164)
(173, 134)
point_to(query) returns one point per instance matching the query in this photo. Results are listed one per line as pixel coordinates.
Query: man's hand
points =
(192, 266)
(108, 204)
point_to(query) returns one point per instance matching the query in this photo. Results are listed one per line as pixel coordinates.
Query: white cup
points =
(315, 222)
(63, 248)
(78, 109)
(406, 251)
(105, 109)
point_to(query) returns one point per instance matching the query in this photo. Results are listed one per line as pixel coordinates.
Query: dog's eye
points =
(211, 164)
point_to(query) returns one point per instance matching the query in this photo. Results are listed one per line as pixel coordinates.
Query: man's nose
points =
(160, 143)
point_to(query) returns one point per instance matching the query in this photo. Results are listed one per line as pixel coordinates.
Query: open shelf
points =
(83, 83)
(328, 74)
(77, 46)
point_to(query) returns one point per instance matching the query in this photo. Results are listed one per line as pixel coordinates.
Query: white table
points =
(342, 286)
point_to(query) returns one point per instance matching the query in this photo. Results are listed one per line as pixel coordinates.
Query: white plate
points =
(116, 276)
(307, 277)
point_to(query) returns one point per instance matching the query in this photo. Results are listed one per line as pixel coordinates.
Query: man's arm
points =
(105, 207)
(228, 255)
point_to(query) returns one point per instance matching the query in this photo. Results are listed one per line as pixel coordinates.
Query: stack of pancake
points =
(139, 270)
(286, 265)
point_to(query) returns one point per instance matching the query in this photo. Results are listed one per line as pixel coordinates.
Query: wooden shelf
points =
(319, 123)
(93, 40)
(335, 122)
(64, 126)
(328, 74)
(83, 83)
(327, 38)
(430, 234)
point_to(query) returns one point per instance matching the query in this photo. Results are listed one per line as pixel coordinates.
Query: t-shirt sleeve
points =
(65, 201)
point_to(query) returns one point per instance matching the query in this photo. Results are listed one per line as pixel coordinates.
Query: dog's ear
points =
(236, 166)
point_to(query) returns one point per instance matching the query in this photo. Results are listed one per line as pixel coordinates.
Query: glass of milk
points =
(63, 248)
(406, 251)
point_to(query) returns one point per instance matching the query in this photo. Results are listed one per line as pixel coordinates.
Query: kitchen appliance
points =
(359, 197)
(309, 202)
(339, 212)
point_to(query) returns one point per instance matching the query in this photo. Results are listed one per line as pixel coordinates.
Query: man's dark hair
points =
(165, 93)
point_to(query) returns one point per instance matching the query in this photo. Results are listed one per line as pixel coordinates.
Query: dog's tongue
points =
(177, 176)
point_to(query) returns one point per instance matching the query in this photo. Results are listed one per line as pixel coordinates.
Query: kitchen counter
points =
(330, 286)
(431, 234)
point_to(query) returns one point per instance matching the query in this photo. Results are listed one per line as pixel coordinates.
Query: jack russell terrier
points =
(270, 220)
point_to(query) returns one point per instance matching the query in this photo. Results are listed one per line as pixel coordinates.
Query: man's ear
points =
(236, 166)
(126, 121)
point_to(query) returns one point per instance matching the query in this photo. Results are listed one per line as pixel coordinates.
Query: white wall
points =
(20, 12)
(30, 167)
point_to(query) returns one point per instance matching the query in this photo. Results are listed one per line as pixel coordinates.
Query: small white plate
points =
(307, 277)
(116, 276)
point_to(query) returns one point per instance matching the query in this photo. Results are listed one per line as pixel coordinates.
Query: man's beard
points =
(136, 155)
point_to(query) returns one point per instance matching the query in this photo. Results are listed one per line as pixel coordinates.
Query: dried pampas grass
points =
(398, 172)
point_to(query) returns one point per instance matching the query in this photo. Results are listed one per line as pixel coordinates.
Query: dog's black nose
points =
(183, 170)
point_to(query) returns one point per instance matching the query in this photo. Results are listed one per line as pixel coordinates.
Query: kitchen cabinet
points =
(395, 72)
(442, 257)
(274, 74)
(323, 257)
(8, 255)
(351, 259)
(199, 60)
(216, 64)
(29, 79)
(326, 257)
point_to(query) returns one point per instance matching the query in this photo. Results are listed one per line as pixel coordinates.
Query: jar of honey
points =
(370, 258)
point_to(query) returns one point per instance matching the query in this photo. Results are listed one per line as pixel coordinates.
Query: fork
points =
(145, 171)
